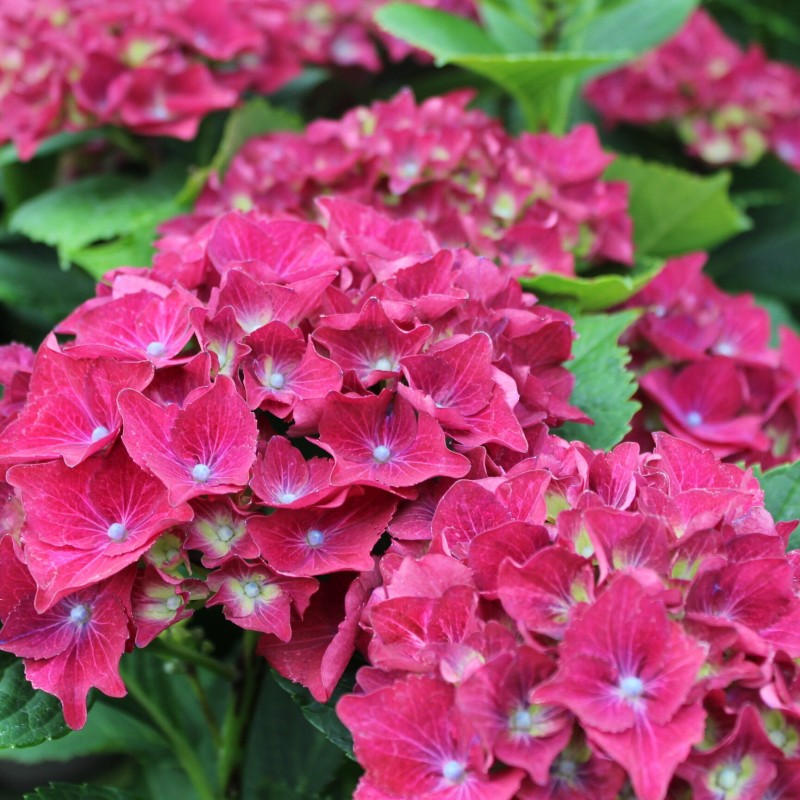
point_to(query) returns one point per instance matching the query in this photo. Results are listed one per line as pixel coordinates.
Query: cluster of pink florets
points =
(536, 203)
(157, 67)
(727, 105)
(583, 626)
(707, 372)
(264, 398)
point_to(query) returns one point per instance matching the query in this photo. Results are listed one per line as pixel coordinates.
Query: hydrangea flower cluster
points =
(157, 67)
(707, 372)
(257, 405)
(535, 203)
(583, 625)
(726, 104)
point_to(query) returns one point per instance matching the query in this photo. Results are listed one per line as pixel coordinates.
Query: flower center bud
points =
(117, 532)
(287, 497)
(156, 349)
(79, 614)
(384, 364)
(315, 538)
(694, 418)
(631, 687)
(276, 380)
(252, 589)
(381, 453)
(174, 603)
(727, 778)
(99, 432)
(521, 720)
(201, 472)
(453, 771)
(225, 533)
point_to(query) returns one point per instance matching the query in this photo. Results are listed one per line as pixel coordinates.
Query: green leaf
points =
(603, 385)
(97, 209)
(70, 791)
(781, 487)
(636, 25)
(437, 32)
(254, 118)
(512, 29)
(27, 715)
(323, 715)
(55, 144)
(280, 747)
(596, 293)
(675, 212)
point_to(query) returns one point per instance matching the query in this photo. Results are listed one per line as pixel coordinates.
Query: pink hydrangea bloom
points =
(727, 105)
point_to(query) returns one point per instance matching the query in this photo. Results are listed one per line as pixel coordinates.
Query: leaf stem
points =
(165, 648)
(238, 717)
(182, 748)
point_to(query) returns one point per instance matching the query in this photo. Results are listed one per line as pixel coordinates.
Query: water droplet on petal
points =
(117, 532)
(156, 349)
(381, 453)
(201, 472)
(315, 538)
(99, 432)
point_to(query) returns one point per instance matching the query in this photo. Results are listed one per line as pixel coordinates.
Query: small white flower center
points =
(725, 349)
(174, 603)
(276, 380)
(79, 614)
(225, 533)
(521, 720)
(381, 453)
(252, 589)
(117, 532)
(587, 551)
(631, 687)
(728, 778)
(453, 771)
(99, 433)
(384, 364)
(156, 349)
(694, 418)
(778, 738)
(201, 472)
(287, 497)
(315, 538)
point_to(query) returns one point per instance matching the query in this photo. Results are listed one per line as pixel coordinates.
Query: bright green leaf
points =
(514, 32)
(781, 487)
(636, 25)
(675, 212)
(437, 32)
(27, 716)
(603, 385)
(596, 293)
(55, 144)
(96, 209)
(69, 791)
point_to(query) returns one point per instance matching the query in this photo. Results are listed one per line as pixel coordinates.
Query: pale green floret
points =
(79, 614)
(381, 453)
(453, 771)
(315, 538)
(201, 472)
(99, 432)
(117, 532)
(156, 349)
